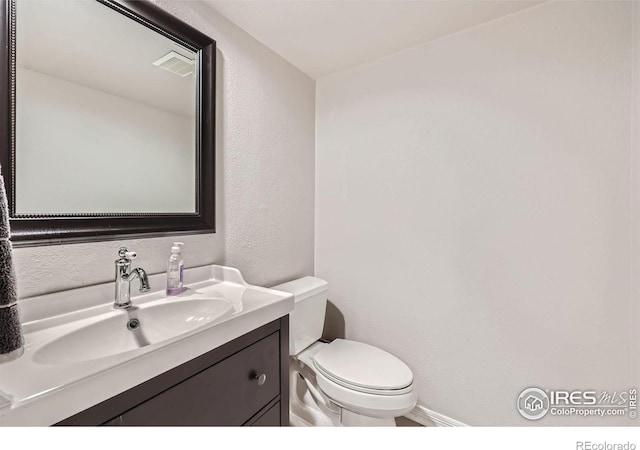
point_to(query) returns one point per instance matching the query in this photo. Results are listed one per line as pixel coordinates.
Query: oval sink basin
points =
(133, 328)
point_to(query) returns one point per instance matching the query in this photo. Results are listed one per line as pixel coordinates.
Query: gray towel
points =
(11, 338)
(8, 290)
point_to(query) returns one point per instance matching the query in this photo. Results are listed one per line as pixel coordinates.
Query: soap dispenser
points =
(175, 267)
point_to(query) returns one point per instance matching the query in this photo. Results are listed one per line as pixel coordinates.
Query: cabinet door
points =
(269, 419)
(228, 393)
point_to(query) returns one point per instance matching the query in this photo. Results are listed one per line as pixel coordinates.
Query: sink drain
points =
(133, 324)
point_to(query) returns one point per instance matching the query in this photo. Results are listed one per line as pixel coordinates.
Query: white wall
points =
(143, 156)
(472, 208)
(265, 177)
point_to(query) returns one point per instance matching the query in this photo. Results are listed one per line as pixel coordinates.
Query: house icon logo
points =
(533, 403)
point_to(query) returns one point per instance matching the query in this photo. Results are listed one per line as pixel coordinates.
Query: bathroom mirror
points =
(108, 121)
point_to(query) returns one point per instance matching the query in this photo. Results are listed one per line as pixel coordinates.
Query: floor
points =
(404, 422)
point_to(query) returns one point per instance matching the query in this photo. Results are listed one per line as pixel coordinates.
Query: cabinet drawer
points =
(228, 393)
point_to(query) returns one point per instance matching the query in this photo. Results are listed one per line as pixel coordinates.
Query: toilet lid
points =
(362, 366)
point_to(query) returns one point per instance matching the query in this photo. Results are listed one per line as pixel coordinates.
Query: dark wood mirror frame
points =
(43, 230)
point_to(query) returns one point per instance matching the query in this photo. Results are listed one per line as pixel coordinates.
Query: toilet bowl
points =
(344, 382)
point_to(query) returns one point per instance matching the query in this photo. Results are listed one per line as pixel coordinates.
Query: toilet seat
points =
(374, 405)
(364, 394)
(363, 368)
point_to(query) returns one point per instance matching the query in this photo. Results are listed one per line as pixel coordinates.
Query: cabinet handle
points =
(261, 379)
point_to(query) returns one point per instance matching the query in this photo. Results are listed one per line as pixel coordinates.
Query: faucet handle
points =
(124, 253)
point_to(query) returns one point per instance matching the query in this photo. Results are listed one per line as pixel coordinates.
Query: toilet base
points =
(348, 420)
(309, 407)
(304, 411)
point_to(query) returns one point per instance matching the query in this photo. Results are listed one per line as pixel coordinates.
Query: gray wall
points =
(265, 177)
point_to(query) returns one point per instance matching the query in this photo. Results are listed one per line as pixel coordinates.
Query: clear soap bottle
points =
(175, 268)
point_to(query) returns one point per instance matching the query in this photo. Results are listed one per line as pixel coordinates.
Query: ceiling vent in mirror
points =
(176, 63)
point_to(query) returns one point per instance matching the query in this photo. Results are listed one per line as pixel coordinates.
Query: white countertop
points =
(41, 394)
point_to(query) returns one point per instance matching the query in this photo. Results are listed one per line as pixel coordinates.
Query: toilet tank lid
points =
(303, 287)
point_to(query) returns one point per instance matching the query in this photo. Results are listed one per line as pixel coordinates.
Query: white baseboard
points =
(428, 418)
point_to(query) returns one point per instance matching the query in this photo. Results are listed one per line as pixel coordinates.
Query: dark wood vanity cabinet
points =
(244, 382)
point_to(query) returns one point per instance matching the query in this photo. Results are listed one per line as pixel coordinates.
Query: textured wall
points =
(265, 176)
(473, 208)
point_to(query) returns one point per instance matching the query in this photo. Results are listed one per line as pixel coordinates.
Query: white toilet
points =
(342, 383)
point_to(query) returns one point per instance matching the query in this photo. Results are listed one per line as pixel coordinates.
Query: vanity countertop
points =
(35, 391)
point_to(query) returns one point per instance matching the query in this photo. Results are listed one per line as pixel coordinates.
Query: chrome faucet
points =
(125, 275)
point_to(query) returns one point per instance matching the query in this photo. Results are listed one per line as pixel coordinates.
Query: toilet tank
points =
(306, 322)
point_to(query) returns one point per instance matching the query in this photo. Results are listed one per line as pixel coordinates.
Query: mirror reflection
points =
(105, 113)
